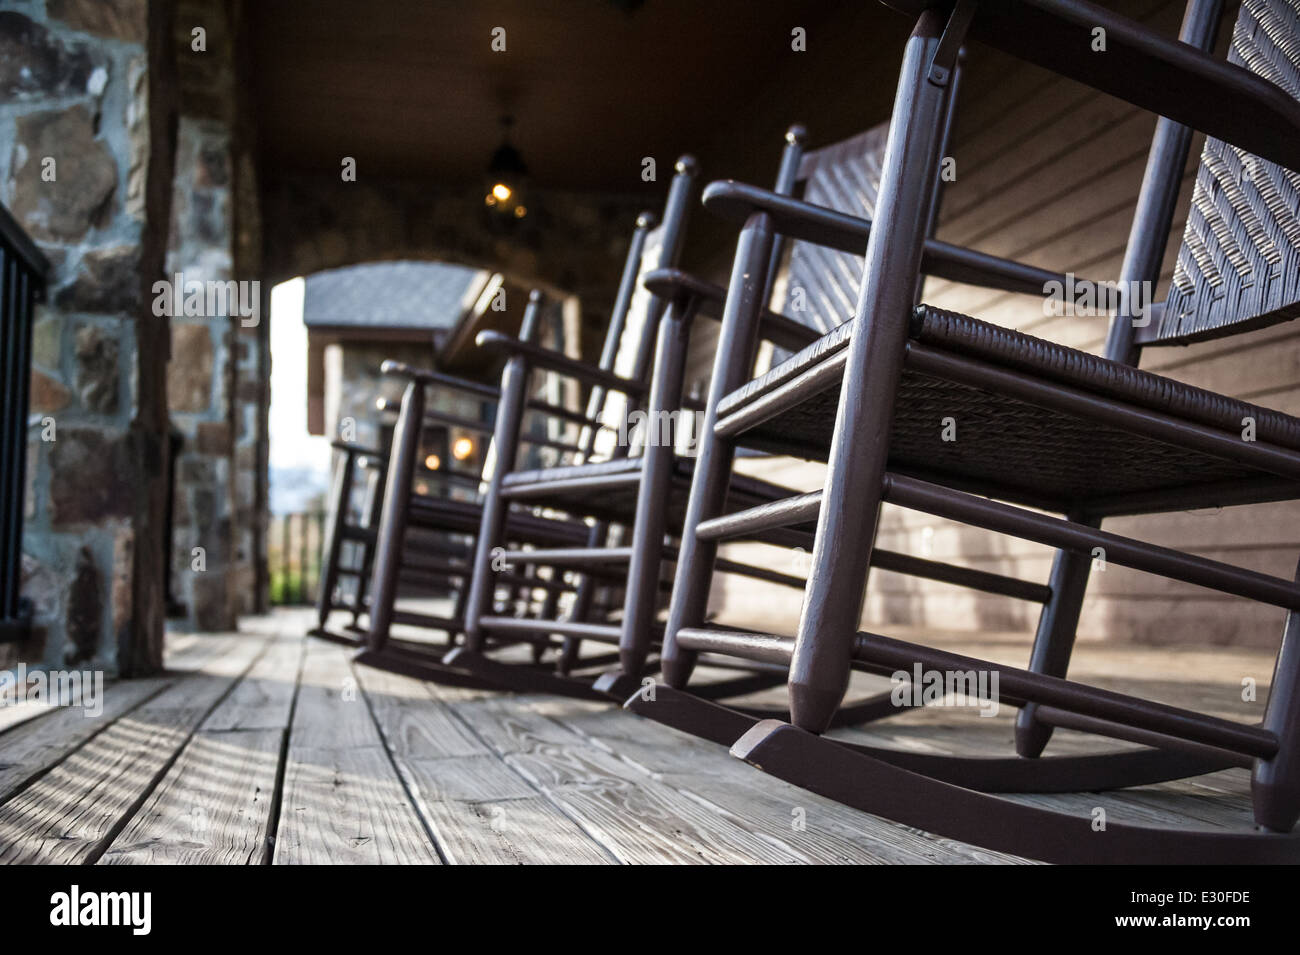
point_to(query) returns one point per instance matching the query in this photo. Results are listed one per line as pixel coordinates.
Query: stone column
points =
(83, 150)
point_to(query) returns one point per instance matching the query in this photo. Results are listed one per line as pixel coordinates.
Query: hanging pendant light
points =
(507, 179)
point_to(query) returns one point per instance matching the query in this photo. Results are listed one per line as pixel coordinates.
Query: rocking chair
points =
(1043, 428)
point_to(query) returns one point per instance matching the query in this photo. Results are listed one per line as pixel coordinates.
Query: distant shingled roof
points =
(389, 295)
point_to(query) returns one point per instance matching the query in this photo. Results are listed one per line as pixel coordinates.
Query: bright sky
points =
(291, 445)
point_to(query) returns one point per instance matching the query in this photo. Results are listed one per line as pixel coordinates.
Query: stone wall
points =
(216, 381)
(84, 144)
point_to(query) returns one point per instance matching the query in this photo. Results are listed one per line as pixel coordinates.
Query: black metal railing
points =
(23, 270)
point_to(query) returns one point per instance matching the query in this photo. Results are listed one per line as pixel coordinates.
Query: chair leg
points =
(505, 442)
(551, 602)
(1054, 639)
(338, 517)
(371, 511)
(583, 598)
(641, 599)
(1275, 783)
(522, 595)
(458, 608)
(714, 457)
(846, 524)
(391, 535)
(482, 581)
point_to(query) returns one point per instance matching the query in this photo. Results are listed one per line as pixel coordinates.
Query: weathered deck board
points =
(213, 806)
(53, 732)
(414, 724)
(822, 829)
(29, 750)
(374, 767)
(71, 813)
(348, 806)
(633, 815)
(343, 801)
(264, 698)
(480, 809)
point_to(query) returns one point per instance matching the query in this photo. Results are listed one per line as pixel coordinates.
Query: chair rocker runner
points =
(1043, 427)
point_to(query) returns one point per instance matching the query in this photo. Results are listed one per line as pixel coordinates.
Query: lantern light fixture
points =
(507, 176)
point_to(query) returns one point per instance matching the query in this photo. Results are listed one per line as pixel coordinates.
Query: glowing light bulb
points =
(462, 448)
(433, 462)
(501, 192)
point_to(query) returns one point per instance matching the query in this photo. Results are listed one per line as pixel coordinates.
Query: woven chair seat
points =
(617, 501)
(1036, 453)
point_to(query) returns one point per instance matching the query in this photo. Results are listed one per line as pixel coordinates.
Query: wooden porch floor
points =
(268, 747)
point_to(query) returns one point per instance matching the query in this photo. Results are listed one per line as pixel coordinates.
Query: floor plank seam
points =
(109, 686)
(430, 827)
(47, 711)
(778, 844)
(859, 837)
(610, 851)
(40, 774)
(277, 795)
(95, 854)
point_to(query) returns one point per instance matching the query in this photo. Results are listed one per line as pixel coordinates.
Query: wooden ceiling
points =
(412, 89)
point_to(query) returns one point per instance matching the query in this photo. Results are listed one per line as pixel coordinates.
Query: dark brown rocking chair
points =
(1043, 427)
(352, 519)
(432, 535)
(643, 489)
(527, 545)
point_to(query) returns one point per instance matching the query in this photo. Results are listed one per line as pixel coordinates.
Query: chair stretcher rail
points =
(1067, 535)
(1014, 683)
(803, 508)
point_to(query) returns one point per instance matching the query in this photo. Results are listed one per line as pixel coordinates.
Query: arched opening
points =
(330, 334)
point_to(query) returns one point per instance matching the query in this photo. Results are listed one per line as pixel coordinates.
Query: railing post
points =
(22, 283)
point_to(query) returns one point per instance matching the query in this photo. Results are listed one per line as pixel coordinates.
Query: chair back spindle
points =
(821, 284)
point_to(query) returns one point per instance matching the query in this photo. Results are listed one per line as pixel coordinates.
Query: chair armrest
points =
(547, 358)
(1144, 67)
(710, 298)
(837, 230)
(429, 377)
(357, 450)
(535, 405)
